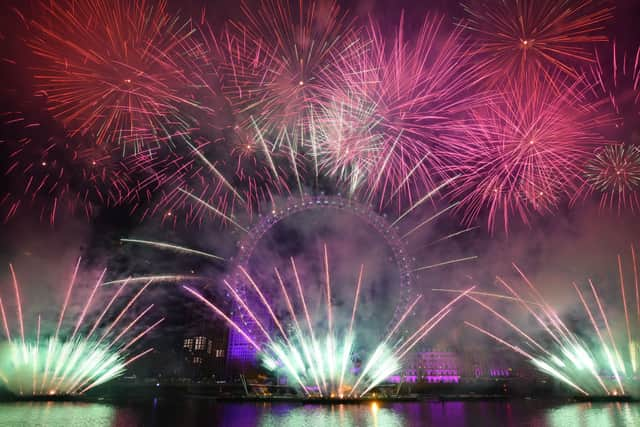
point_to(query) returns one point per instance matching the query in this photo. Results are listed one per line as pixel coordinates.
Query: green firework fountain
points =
(318, 361)
(71, 363)
(600, 359)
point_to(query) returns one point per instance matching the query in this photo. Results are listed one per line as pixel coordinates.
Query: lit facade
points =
(430, 367)
(447, 367)
(204, 356)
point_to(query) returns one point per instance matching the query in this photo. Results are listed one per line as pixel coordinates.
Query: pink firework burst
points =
(525, 152)
(524, 37)
(113, 69)
(50, 174)
(396, 108)
(614, 174)
(277, 62)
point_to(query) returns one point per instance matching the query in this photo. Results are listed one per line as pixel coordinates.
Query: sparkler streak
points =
(4, 322)
(624, 300)
(443, 263)
(128, 362)
(635, 275)
(157, 278)
(350, 332)
(611, 340)
(171, 246)
(250, 312)
(428, 220)
(124, 311)
(217, 173)
(595, 328)
(88, 303)
(528, 308)
(265, 302)
(17, 292)
(428, 196)
(511, 324)
(106, 309)
(293, 315)
(547, 310)
(423, 332)
(67, 297)
(213, 209)
(129, 326)
(412, 339)
(141, 334)
(487, 294)
(224, 316)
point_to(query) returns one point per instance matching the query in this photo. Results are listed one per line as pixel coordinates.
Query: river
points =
(203, 412)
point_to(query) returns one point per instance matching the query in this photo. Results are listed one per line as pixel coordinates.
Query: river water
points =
(202, 412)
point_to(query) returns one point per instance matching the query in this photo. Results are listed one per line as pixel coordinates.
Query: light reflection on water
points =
(339, 415)
(56, 414)
(589, 415)
(202, 412)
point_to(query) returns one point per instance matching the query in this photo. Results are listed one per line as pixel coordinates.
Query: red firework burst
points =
(396, 108)
(113, 69)
(525, 37)
(277, 62)
(525, 152)
(50, 174)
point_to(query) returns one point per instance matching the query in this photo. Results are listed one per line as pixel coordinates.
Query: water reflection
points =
(62, 414)
(205, 412)
(595, 415)
(337, 415)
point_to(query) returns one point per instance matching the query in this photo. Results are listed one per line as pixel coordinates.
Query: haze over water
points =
(202, 412)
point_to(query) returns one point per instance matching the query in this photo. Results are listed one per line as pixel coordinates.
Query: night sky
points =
(565, 245)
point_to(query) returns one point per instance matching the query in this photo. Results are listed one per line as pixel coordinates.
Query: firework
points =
(613, 171)
(76, 361)
(525, 152)
(527, 37)
(114, 69)
(616, 81)
(395, 107)
(396, 234)
(614, 174)
(47, 173)
(317, 355)
(599, 360)
(203, 183)
(277, 62)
